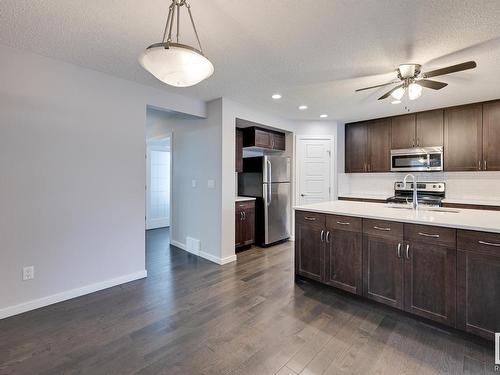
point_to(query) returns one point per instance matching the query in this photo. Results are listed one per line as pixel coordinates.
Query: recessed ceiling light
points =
(396, 102)
(323, 115)
(303, 107)
(276, 96)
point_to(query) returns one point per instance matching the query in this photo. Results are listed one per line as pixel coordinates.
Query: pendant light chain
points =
(174, 8)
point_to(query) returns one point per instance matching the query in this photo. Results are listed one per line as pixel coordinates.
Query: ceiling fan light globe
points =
(408, 70)
(414, 91)
(177, 65)
(398, 93)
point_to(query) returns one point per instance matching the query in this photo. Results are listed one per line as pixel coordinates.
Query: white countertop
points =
(480, 220)
(479, 202)
(243, 199)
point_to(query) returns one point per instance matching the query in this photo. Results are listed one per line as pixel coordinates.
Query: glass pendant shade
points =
(414, 91)
(176, 64)
(398, 93)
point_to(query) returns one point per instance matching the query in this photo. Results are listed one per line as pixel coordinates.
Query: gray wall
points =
(72, 146)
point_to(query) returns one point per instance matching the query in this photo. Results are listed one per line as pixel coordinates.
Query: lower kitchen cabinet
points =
(478, 276)
(244, 223)
(430, 261)
(344, 253)
(309, 245)
(383, 262)
(446, 275)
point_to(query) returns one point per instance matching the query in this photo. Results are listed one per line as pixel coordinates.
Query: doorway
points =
(158, 182)
(315, 169)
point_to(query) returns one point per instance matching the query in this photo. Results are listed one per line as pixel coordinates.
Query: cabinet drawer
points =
(348, 223)
(311, 218)
(382, 228)
(431, 235)
(479, 242)
(245, 205)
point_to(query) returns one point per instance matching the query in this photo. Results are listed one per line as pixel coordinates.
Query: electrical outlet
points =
(193, 183)
(28, 273)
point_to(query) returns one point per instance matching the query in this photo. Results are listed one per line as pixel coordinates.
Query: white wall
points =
(72, 178)
(196, 155)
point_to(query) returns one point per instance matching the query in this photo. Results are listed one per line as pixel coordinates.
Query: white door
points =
(315, 165)
(158, 185)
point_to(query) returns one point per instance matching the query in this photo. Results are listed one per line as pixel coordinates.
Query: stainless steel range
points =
(429, 193)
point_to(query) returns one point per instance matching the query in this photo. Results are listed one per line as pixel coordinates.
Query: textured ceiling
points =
(314, 52)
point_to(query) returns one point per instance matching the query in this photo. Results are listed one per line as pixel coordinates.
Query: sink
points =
(447, 210)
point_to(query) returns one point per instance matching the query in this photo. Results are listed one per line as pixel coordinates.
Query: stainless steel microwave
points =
(417, 159)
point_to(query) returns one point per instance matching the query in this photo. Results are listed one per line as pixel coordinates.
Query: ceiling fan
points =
(412, 80)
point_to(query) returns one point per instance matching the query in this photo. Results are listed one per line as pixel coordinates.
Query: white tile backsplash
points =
(459, 185)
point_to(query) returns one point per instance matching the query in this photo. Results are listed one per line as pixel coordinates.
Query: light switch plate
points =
(193, 183)
(211, 184)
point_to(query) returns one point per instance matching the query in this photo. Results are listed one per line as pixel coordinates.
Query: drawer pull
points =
(428, 235)
(342, 223)
(310, 218)
(380, 228)
(489, 243)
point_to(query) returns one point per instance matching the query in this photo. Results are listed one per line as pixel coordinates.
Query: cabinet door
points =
(430, 281)
(403, 132)
(239, 150)
(343, 260)
(491, 136)
(356, 143)
(463, 138)
(248, 226)
(430, 128)
(478, 278)
(379, 145)
(263, 139)
(383, 271)
(278, 141)
(309, 249)
(238, 217)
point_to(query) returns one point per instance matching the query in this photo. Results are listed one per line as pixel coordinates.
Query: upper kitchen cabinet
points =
(368, 146)
(463, 138)
(403, 132)
(356, 142)
(379, 145)
(491, 136)
(239, 150)
(254, 136)
(429, 128)
(424, 129)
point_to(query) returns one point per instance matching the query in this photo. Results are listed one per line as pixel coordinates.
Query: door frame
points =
(149, 148)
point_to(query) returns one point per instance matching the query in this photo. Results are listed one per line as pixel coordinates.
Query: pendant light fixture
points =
(174, 63)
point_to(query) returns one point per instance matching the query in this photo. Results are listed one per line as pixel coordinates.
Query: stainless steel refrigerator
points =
(267, 178)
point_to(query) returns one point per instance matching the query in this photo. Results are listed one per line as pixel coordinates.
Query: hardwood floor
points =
(191, 316)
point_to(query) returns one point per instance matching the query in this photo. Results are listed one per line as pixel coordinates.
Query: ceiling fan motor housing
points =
(408, 71)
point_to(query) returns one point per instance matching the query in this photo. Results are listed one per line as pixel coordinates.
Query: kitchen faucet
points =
(415, 196)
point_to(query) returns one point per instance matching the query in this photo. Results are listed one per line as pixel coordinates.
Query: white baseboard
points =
(178, 244)
(69, 294)
(218, 260)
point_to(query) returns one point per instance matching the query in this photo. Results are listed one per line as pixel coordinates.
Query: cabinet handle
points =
(380, 228)
(418, 142)
(322, 236)
(489, 243)
(479, 164)
(310, 218)
(343, 223)
(244, 215)
(241, 216)
(485, 165)
(428, 235)
(399, 250)
(328, 237)
(408, 251)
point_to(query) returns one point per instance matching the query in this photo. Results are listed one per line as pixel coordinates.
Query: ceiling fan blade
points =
(374, 87)
(450, 69)
(387, 94)
(435, 85)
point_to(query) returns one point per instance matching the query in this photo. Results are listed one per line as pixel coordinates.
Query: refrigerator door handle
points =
(269, 174)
